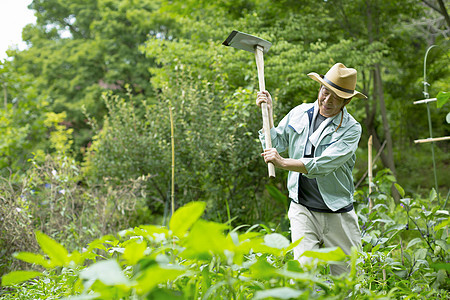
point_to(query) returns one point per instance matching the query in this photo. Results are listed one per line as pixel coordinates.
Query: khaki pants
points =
(323, 230)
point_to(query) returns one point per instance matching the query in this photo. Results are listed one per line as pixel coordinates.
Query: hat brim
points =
(316, 77)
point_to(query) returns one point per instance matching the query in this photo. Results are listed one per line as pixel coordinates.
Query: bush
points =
(216, 148)
(53, 198)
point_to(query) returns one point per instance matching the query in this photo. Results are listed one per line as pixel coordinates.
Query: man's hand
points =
(264, 97)
(272, 155)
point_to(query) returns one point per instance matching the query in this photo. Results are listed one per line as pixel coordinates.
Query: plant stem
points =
(173, 160)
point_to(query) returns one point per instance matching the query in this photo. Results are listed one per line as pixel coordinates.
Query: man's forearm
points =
(291, 164)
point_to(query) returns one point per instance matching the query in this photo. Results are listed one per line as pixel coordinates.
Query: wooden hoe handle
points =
(265, 112)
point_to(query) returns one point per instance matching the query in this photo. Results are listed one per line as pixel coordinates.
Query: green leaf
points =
(206, 238)
(413, 242)
(277, 195)
(56, 252)
(433, 195)
(108, 272)
(442, 224)
(442, 244)
(166, 294)
(134, 252)
(185, 216)
(261, 269)
(441, 266)
(442, 98)
(155, 275)
(279, 293)
(84, 297)
(420, 254)
(292, 245)
(326, 254)
(16, 277)
(33, 258)
(400, 189)
(276, 240)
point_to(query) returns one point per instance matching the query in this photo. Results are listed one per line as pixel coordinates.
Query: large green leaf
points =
(16, 277)
(442, 98)
(155, 275)
(134, 251)
(33, 258)
(185, 216)
(400, 189)
(277, 195)
(206, 238)
(276, 240)
(108, 272)
(279, 293)
(56, 252)
(326, 254)
(83, 297)
(261, 269)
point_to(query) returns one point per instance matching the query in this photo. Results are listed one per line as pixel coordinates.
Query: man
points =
(322, 138)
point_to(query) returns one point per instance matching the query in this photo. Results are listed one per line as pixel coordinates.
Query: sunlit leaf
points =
(442, 224)
(206, 238)
(433, 195)
(108, 272)
(33, 258)
(185, 216)
(442, 98)
(155, 275)
(326, 254)
(279, 293)
(56, 252)
(262, 269)
(441, 266)
(16, 277)
(276, 240)
(292, 245)
(83, 297)
(413, 242)
(400, 189)
(134, 252)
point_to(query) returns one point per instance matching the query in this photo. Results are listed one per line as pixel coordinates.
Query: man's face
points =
(330, 104)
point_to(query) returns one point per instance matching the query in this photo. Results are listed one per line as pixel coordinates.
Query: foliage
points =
(53, 200)
(74, 181)
(405, 247)
(194, 258)
(214, 140)
(22, 129)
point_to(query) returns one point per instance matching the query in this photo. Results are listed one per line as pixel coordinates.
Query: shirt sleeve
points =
(335, 155)
(278, 135)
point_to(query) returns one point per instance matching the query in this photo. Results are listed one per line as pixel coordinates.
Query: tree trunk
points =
(379, 95)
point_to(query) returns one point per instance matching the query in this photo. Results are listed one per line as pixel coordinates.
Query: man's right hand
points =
(264, 97)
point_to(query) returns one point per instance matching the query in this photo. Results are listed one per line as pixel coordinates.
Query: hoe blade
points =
(247, 42)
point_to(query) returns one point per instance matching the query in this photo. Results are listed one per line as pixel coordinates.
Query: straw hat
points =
(341, 80)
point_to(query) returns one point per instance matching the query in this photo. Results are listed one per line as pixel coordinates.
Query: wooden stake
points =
(173, 162)
(428, 140)
(369, 145)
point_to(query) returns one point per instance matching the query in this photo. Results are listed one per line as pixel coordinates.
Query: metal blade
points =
(247, 42)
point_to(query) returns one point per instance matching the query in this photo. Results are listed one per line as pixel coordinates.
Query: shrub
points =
(216, 148)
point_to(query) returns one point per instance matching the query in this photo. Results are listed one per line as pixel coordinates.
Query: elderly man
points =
(322, 138)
